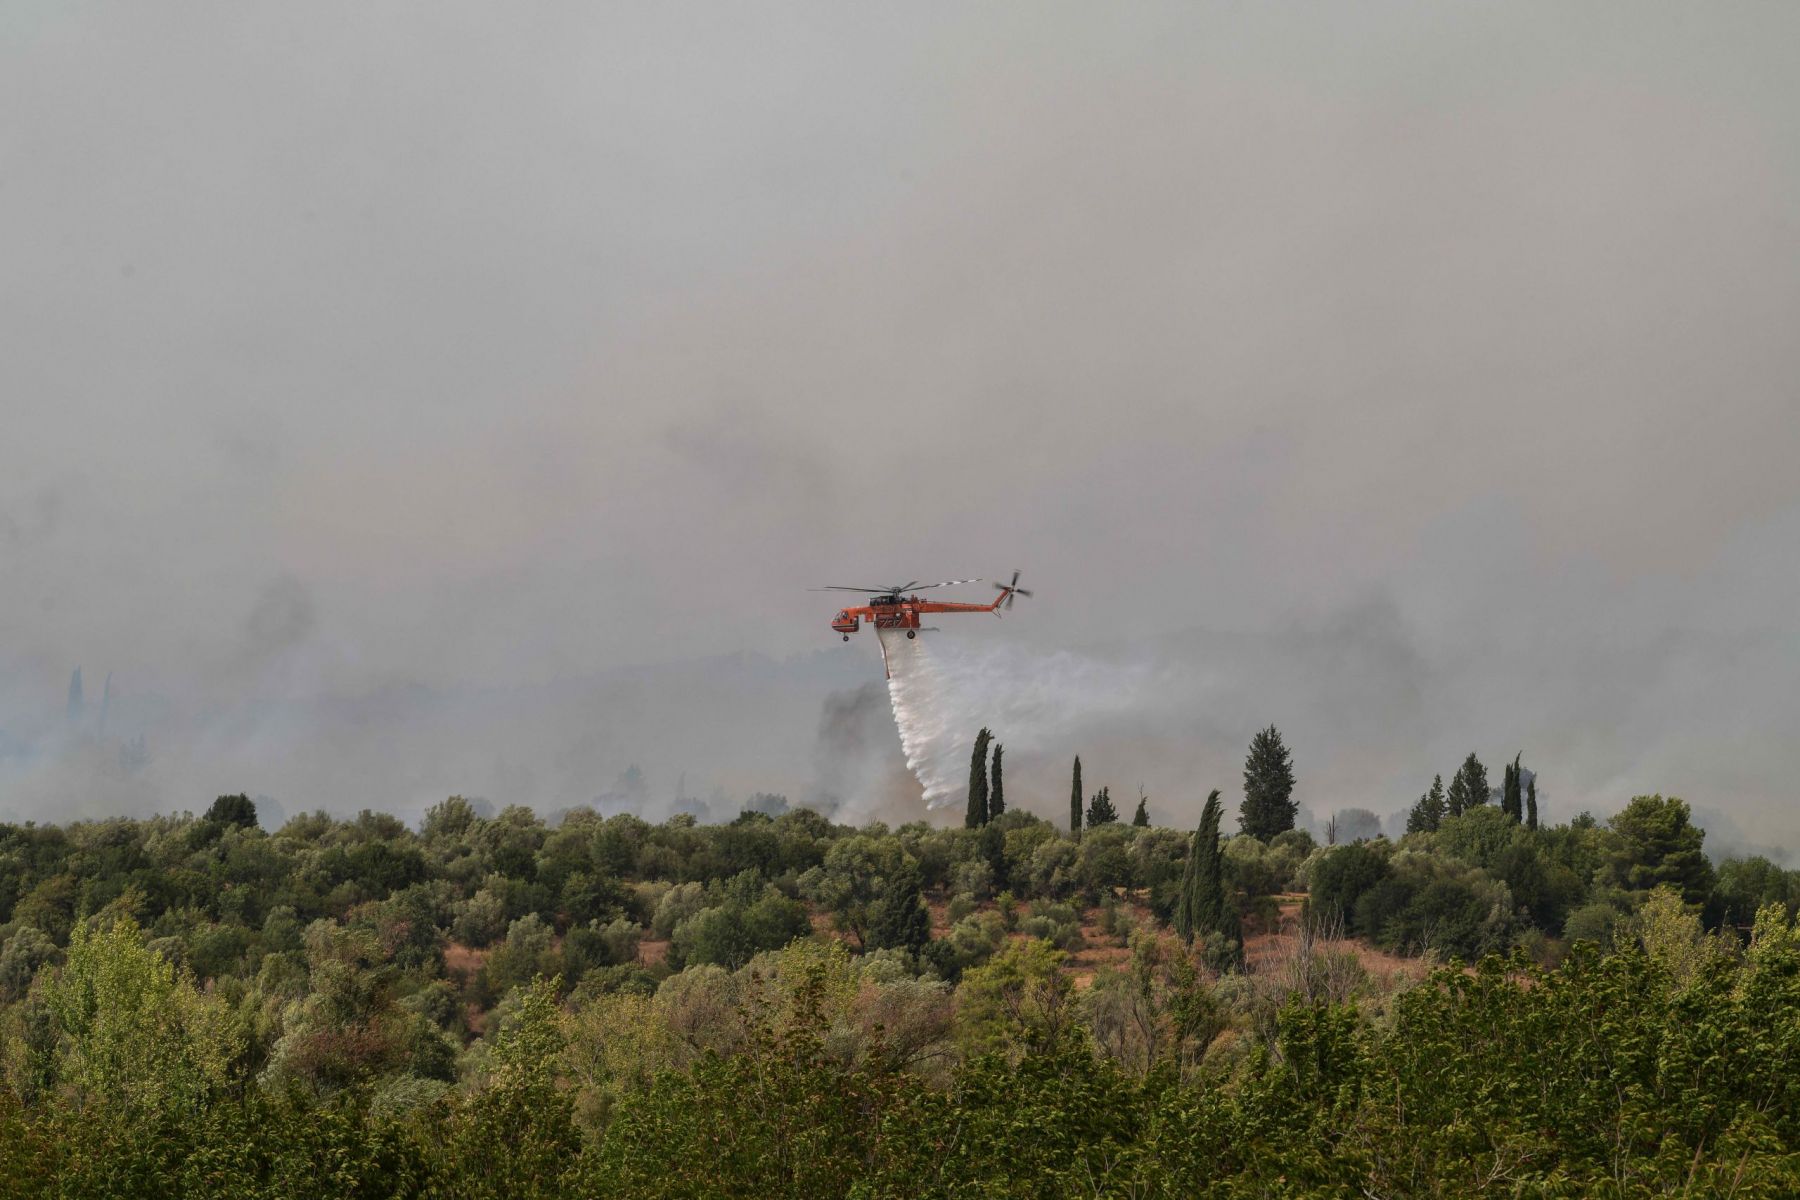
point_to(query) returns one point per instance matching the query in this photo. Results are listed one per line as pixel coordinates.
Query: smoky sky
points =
(370, 373)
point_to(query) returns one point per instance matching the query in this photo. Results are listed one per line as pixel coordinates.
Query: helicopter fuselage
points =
(901, 612)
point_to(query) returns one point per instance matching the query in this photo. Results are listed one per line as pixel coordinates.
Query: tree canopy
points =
(493, 1004)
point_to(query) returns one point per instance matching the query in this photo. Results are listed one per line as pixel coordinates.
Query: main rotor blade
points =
(946, 583)
(879, 591)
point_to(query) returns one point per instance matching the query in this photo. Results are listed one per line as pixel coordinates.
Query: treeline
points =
(784, 1006)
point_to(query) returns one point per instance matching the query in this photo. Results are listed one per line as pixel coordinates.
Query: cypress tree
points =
(1209, 879)
(996, 786)
(1141, 818)
(1512, 803)
(1201, 909)
(1269, 805)
(1100, 809)
(977, 815)
(1531, 817)
(1075, 800)
(1183, 915)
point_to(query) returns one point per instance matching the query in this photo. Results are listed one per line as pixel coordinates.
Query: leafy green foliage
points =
(901, 923)
(752, 916)
(1658, 846)
(1341, 877)
(495, 1006)
(237, 810)
(128, 1034)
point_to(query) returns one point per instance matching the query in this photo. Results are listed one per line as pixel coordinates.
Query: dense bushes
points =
(1624, 1075)
(780, 1006)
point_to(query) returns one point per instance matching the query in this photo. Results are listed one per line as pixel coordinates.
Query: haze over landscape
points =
(400, 405)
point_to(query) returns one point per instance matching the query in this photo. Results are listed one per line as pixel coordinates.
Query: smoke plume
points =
(944, 688)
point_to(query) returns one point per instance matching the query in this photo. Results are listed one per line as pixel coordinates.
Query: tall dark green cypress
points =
(1075, 800)
(977, 815)
(1141, 818)
(1269, 805)
(1201, 910)
(1183, 916)
(1209, 876)
(996, 786)
(1531, 816)
(1512, 801)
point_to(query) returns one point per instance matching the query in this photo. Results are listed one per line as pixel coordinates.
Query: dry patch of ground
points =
(1267, 950)
(1102, 950)
(461, 963)
(463, 960)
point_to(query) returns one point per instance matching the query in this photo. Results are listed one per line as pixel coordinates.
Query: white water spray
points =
(943, 690)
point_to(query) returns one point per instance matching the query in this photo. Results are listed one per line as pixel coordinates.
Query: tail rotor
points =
(1012, 591)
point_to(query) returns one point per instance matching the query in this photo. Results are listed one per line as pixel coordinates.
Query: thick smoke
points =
(368, 454)
(703, 736)
(1371, 706)
(859, 771)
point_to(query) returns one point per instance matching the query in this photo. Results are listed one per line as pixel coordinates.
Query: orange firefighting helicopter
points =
(900, 607)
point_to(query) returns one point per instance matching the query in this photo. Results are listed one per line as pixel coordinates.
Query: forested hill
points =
(778, 1006)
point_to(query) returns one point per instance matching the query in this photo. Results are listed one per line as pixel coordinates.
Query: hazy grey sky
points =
(347, 348)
